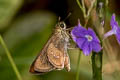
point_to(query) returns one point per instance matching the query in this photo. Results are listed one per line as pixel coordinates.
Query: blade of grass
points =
(10, 58)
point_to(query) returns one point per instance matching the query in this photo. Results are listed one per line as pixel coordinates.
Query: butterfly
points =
(54, 55)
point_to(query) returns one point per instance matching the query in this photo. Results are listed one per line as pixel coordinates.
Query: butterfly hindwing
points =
(55, 52)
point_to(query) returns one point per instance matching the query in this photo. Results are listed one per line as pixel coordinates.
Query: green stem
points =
(86, 21)
(83, 4)
(90, 8)
(78, 67)
(97, 65)
(82, 7)
(10, 58)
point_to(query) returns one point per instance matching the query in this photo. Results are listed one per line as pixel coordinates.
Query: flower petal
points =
(73, 37)
(80, 42)
(92, 33)
(118, 35)
(87, 48)
(95, 46)
(79, 31)
(111, 32)
(113, 22)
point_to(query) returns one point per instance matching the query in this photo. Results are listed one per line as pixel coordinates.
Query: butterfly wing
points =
(56, 51)
(41, 63)
(55, 56)
(67, 62)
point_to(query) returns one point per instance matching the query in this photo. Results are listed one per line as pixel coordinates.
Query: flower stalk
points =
(10, 58)
(86, 14)
(82, 7)
(96, 58)
(97, 54)
(97, 65)
(78, 66)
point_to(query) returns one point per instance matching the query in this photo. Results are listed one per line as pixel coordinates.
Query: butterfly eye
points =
(62, 25)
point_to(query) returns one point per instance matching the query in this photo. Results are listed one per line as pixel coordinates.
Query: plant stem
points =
(10, 58)
(97, 65)
(78, 66)
(82, 7)
(86, 21)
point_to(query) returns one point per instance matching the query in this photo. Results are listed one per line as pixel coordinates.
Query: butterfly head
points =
(61, 25)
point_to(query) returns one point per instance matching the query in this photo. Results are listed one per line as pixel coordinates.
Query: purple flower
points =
(85, 39)
(115, 29)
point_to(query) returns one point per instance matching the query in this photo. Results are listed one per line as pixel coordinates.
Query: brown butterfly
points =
(54, 54)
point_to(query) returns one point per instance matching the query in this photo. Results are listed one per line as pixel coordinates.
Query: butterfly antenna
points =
(59, 18)
(67, 16)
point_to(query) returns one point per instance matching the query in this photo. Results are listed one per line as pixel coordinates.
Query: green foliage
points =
(8, 9)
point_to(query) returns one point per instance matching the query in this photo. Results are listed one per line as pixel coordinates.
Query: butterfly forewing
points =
(41, 63)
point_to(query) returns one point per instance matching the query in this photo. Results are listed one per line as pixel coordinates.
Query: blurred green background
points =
(26, 26)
